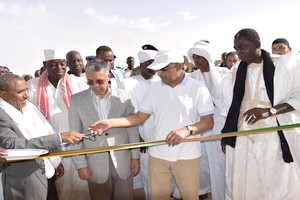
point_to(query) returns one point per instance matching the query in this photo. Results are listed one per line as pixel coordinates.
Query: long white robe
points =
(255, 168)
(212, 164)
(137, 87)
(70, 186)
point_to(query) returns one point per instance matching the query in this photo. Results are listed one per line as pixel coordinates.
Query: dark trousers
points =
(52, 193)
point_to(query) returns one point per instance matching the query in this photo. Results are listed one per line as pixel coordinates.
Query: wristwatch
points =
(190, 129)
(273, 111)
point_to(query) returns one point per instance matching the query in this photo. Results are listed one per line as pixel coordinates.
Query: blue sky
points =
(29, 27)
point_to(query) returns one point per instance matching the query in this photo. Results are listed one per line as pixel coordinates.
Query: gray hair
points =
(98, 65)
(6, 78)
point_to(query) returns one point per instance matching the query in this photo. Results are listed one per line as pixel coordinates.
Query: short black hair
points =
(103, 48)
(248, 33)
(281, 40)
(70, 53)
(231, 53)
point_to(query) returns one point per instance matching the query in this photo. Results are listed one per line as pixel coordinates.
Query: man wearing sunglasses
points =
(109, 174)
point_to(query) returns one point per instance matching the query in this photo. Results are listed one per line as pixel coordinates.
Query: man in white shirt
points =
(182, 107)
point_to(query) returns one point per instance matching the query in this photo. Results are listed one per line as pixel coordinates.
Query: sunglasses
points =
(91, 82)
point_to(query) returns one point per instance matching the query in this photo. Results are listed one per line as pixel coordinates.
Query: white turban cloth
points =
(201, 48)
(146, 55)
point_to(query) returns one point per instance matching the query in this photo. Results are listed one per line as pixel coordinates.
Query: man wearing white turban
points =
(137, 86)
(212, 166)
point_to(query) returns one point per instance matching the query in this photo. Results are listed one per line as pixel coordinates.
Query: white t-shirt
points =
(174, 108)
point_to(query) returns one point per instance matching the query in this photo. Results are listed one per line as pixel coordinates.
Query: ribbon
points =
(161, 142)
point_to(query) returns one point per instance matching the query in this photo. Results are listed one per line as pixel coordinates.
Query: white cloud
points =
(145, 24)
(18, 10)
(187, 15)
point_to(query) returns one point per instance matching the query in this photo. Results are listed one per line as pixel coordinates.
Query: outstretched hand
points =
(100, 126)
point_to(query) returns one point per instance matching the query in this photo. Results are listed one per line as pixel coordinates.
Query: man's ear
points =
(179, 66)
(2, 94)
(257, 44)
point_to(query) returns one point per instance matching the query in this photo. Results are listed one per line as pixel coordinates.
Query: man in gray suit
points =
(109, 174)
(19, 120)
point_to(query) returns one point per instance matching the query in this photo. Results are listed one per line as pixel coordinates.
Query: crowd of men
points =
(69, 106)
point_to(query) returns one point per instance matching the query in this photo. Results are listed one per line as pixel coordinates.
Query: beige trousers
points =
(185, 172)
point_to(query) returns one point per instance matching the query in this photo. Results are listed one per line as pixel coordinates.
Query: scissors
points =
(89, 136)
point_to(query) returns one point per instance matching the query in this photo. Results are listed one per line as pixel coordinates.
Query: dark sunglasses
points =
(90, 82)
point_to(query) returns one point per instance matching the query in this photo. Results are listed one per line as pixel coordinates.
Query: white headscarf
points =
(203, 48)
(32, 124)
(146, 55)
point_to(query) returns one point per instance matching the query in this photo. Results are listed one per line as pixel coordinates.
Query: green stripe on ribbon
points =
(161, 142)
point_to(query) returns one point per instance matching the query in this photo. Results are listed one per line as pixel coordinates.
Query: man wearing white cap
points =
(137, 87)
(181, 107)
(51, 94)
(212, 170)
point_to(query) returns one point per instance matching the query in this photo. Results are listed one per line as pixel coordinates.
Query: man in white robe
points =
(137, 87)
(264, 166)
(212, 165)
(51, 93)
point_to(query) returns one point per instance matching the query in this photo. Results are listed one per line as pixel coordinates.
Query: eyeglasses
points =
(91, 82)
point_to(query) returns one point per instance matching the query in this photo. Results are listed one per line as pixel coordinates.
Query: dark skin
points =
(130, 62)
(250, 52)
(107, 56)
(201, 63)
(75, 63)
(56, 69)
(145, 72)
